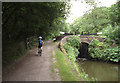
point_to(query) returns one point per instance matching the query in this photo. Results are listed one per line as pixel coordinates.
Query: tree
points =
(115, 14)
(92, 22)
(23, 20)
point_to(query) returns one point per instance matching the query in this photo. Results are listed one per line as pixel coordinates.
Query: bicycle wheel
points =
(40, 52)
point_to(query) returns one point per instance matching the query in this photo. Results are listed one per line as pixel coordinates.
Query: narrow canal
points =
(100, 70)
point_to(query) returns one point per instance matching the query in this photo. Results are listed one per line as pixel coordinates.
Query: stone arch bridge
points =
(83, 49)
(84, 38)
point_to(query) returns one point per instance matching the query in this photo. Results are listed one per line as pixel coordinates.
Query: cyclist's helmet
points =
(40, 37)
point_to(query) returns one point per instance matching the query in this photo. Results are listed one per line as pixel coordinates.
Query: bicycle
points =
(40, 52)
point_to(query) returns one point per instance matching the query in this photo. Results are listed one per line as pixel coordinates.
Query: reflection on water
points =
(100, 70)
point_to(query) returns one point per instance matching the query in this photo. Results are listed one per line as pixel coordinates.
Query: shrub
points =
(95, 43)
(71, 52)
(112, 54)
(106, 53)
(72, 47)
(74, 41)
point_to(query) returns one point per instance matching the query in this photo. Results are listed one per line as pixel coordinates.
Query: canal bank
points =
(102, 71)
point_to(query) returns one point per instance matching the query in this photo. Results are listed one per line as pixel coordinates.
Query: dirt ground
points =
(33, 67)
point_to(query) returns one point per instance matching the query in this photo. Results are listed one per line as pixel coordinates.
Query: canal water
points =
(100, 70)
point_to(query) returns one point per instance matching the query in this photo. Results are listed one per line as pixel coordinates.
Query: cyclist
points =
(40, 44)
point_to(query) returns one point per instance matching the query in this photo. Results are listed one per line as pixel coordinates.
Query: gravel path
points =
(33, 67)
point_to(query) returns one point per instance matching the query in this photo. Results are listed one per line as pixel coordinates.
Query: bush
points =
(74, 41)
(72, 52)
(112, 54)
(105, 53)
(72, 47)
(95, 43)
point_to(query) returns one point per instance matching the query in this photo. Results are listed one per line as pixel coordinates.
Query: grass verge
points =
(66, 71)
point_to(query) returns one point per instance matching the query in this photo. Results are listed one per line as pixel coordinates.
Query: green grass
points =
(65, 69)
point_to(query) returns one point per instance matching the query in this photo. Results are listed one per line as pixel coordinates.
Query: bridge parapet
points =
(88, 39)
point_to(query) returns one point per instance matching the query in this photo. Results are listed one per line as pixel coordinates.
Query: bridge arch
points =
(83, 50)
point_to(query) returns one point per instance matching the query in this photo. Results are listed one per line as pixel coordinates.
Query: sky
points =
(78, 8)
